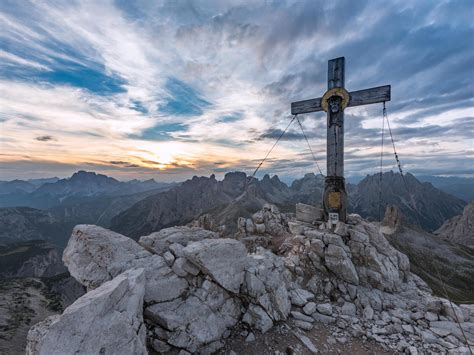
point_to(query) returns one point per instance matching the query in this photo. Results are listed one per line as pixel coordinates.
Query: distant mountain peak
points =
(460, 229)
(83, 175)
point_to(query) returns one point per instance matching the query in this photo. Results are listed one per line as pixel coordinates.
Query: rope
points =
(385, 117)
(309, 146)
(278, 139)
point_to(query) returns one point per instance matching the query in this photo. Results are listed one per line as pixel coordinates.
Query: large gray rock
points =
(324, 308)
(453, 328)
(378, 264)
(257, 317)
(340, 264)
(200, 319)
(269, 220)
(222, 259)
(95, 255)
(460, 229)
(160, 241)
(307, 213)
(266, 285)
(299, 297)
(107, 320)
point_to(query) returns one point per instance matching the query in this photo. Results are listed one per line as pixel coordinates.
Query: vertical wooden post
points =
(336, 73)
(335, 198)
(334, 101)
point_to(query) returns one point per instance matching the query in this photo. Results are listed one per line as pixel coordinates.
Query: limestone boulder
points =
(160, 241)
(223, 260)
(95, 255)
(107, 320)
(257, 318)
(265, 283)
(454, 329)
(378, 264)
(307, 213)
(198, 320)
(300, 297)
(269, 220)
(337, 261)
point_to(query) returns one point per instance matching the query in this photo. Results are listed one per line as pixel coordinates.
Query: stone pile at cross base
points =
(186, 290)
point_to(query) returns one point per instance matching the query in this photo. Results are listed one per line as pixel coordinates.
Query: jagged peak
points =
(232, 175)
(82, 175)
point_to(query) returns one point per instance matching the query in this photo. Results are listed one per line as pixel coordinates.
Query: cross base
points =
(335, 199)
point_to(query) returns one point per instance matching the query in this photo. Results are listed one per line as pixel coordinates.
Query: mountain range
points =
(47, 193)
(32, 236)
(239, 195)
(48, 209)
(423, 205)
(447, 266)
(51, 207)
(461, 187)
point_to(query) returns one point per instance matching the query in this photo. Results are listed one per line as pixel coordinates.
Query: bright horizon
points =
(170, 90)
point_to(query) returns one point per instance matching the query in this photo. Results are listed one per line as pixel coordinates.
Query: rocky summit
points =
(188, 290)
(460, 229)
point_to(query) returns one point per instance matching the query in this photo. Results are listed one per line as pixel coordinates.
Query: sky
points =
(172, 89)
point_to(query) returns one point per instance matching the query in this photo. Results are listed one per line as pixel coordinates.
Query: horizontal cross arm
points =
(369, 96)
(306, 106)
(356, 98)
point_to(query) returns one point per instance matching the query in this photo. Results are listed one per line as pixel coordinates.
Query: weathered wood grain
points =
(336, 72)
(369, 96)
(306, 106)
(357, 98)
(335, 132)
(335, 128)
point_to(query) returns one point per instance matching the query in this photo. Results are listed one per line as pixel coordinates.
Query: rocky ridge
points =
(30, 259)
(447, 267)
(198, 288)
(424, 205)
(240, 195)
(460, 229)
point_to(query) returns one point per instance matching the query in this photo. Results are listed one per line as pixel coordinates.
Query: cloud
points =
(45, 138)
(206, 86)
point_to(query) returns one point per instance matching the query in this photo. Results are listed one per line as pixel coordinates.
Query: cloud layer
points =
(172, 89)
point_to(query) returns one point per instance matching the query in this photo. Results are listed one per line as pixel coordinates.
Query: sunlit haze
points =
(168, 90)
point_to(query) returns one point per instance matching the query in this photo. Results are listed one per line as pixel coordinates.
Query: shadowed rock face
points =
(82, 185)
(460, 229)
(197, 196)
(433, 206)
(21, 224)
(106, 320)
(26, 301)
(429, 253)
(197, 287)
(34, 258)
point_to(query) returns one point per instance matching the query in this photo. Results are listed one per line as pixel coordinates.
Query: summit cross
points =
(334, 101)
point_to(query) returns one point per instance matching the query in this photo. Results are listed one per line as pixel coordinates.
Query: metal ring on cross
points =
(341, 92)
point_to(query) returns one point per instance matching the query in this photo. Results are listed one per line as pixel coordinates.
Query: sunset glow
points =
(167, 90)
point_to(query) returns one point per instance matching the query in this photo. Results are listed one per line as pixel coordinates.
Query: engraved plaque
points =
(334, 200)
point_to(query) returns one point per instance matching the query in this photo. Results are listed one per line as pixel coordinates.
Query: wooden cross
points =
(334, 101)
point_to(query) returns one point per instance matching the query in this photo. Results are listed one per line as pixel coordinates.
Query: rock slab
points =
(91, 324)
(222, 259)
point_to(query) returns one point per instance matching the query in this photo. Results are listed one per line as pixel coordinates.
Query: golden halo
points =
(341, 92)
